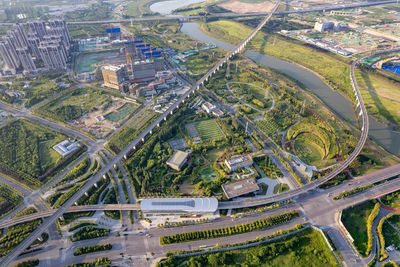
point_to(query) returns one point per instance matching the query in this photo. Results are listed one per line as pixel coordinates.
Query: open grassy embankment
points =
(307, 248)
(334, 72)
(380, 95)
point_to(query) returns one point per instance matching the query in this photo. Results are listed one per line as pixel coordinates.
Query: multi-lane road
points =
(298, 193)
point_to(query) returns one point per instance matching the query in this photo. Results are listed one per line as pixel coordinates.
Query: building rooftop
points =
(204, 205)
(66, 147)
(178, 158)
(241, 187)
(113, 68)
(239, 159)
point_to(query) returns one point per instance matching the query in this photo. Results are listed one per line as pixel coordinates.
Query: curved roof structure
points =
(189, 205)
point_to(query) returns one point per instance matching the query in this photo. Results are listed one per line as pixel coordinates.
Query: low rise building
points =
(238, 161)
(66, 147)
(240, 187)
(176, 206)
(178, 159)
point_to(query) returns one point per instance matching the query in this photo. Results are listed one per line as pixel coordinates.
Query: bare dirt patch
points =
(240, 7)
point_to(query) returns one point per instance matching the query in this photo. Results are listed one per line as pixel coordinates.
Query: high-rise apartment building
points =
(26, 60)
(49, 43)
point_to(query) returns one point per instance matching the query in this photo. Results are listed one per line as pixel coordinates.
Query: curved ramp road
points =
(139, 139)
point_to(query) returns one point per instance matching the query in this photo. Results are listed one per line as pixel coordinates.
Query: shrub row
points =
(99, 262)
(383, 252)
(352, 191)
(233, 230)
(89, 232)
(91, 249)
(79, 225)
(370, 221)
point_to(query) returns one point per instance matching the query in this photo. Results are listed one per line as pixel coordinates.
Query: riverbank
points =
(381, 133)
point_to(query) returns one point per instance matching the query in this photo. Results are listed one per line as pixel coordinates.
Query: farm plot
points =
(208, 130)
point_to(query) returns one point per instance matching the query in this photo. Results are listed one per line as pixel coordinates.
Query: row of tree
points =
(90, 249)
(232, 230)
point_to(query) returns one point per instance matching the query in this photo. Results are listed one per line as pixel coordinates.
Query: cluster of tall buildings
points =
(35, 46)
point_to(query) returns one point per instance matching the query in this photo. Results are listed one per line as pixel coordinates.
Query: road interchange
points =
(149, 130)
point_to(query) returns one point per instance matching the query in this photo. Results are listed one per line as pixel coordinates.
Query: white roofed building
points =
(172, 206)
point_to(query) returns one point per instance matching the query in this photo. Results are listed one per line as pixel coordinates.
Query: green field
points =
(307, 248)
(121, 113)
(208, 130)
(381, 97)
(126, 135)
(8, 200)
(138, 8)
(355, 221)
(208, 174)
(213, 154)
(26, 151)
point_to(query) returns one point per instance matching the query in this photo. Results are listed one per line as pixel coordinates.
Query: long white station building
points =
(169, 206)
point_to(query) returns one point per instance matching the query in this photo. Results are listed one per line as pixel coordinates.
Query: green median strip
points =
(233, 230)
(352, 192)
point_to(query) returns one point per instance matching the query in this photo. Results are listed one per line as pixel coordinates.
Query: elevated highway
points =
(371, 178)
(132, 146)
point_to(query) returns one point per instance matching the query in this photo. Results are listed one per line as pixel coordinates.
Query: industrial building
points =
(238, 161)
(176, 206)
(178, 159)
(240, 187)
(114, 76)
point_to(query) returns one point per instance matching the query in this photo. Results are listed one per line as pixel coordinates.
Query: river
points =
(166, 7)
(381, 133)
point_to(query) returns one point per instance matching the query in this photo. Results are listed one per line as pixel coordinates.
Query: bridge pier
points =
(134, 147)
(151, 132)
(95, 185)
(105, 176)
(360, 113)
(158, 124)
(165, 118)
(115, 166)
(86, 194)
(143, 139)
(76, 203)
(61, 218)
(171, 112)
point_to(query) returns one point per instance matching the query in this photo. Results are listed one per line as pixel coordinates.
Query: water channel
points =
(381, 133)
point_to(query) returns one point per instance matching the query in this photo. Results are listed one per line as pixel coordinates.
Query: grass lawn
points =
(355, 221)
(126, 135)
(208, 130)
(381, 97)
(309, 152)
(208, 174)
(391, 235)
(279, 188)
(138, 8)
(213, 154)
(307, 248)
(26, 151)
